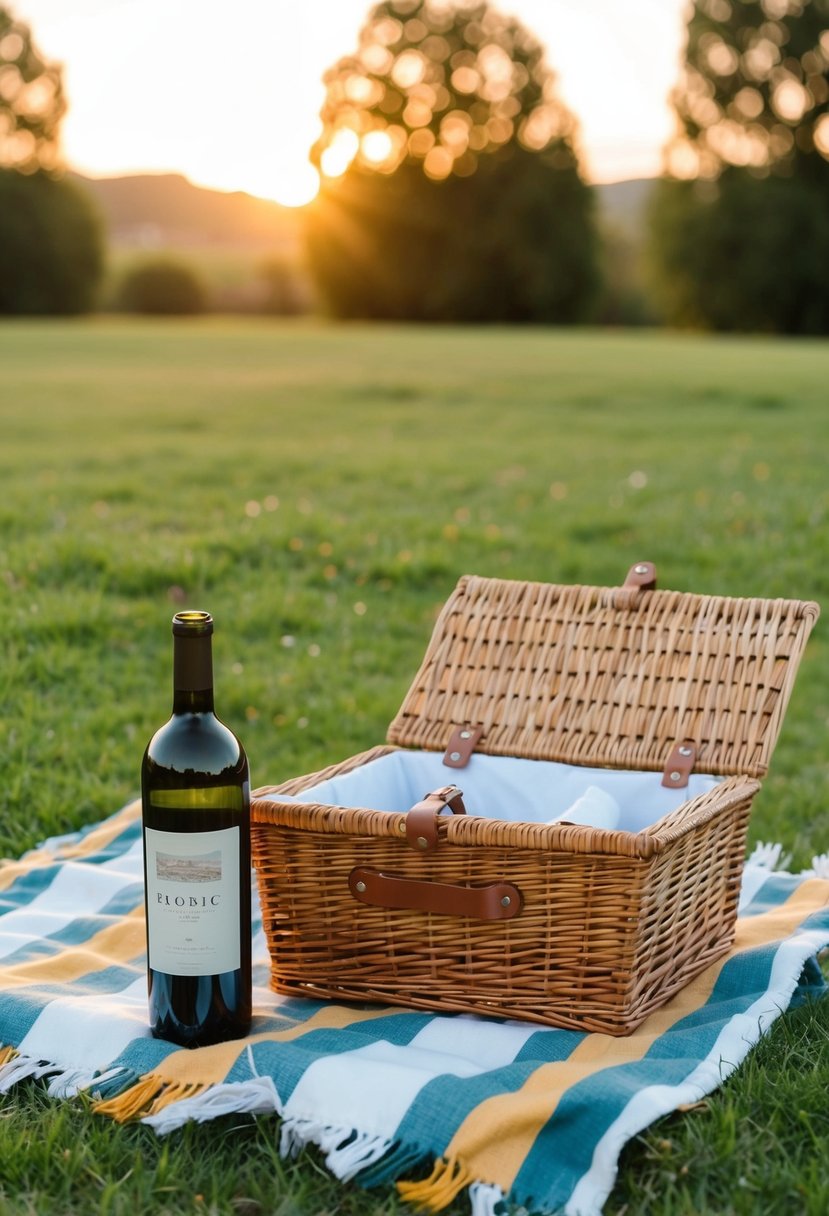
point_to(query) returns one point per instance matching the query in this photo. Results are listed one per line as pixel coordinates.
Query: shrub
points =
(284, 286)
(163, 287)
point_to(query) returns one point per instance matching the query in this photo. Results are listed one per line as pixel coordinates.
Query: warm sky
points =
(229, 94)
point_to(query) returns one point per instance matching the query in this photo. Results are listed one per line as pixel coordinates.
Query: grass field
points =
(320, 490)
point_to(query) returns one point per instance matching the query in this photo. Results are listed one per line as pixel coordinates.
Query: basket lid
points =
(604, 676)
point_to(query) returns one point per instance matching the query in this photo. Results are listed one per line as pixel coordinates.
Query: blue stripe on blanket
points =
(20, 1008)
(37, 880)
(590, 1107)
(775, 891)
(456, 1097)
(78, 931)
(287, 1067)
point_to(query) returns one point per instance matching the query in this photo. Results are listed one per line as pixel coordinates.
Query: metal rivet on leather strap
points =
(455, 755)
(640, 569)
(506, 901)
(422, 842)
(466, 734)
(361, 886)
(686, 751)
(675, 776)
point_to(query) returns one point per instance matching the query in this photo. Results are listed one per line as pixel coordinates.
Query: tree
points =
(754, 91)
(51, 243)
(32, 103)
(740, 228)
(450, 180)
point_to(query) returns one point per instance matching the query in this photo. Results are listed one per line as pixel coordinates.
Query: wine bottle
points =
(195, 793)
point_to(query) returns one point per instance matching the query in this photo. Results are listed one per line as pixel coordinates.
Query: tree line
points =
(452, 188)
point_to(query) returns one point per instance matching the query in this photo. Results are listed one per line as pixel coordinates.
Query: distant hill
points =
(623, 206)
(159, 211)
(162, 210)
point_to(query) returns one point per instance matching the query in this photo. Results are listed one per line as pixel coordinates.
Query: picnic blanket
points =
(508, 1110)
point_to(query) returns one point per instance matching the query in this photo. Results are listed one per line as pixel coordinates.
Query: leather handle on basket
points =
(421, 821)
(495, 901)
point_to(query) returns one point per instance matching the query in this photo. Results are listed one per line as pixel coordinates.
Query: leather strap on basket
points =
(461, 745)
(421, 822)
(679, 766)
(641, 577)
(495, 901)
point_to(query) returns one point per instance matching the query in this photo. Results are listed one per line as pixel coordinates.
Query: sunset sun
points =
(294, 185)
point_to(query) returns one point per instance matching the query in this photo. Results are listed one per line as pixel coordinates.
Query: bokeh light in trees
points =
(438, 84)
(755, 88)
(31, 101)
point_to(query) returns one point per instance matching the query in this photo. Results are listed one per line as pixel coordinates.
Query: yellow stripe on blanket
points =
(93, 842)
(119, 943)
(476, 1151)
(185, 1073)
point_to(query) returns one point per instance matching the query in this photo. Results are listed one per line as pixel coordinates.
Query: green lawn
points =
(319, 490)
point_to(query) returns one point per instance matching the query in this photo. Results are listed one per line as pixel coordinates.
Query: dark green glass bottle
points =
(195, 790)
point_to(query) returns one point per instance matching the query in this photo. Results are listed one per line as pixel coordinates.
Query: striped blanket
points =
(505, 1110)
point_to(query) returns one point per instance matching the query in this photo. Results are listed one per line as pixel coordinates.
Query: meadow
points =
(320, 489)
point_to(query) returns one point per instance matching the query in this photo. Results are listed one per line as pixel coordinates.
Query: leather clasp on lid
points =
(679, 766)
(461, 745)
(642, 575)
(421, 821)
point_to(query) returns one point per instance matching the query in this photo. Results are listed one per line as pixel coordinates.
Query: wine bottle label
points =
(193, 921)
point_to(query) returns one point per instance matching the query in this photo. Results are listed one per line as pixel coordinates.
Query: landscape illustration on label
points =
(205, 867)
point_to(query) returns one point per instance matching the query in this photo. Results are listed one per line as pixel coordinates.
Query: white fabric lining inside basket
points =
(503, 787)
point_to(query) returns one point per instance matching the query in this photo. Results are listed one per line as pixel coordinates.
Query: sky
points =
(229, 94)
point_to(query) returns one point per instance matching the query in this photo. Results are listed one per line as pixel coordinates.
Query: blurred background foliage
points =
(451, 184)
(51, 238)
(52, 247)
(452, 190)
(32, 101)
(163, 286)
(740, 226)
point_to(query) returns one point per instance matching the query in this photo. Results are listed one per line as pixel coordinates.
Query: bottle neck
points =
(192, 675)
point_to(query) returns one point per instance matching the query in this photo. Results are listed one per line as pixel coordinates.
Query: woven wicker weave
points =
(596, 676)
(611, 923)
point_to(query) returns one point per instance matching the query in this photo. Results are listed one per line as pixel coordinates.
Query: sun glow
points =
(235, 97)
(295, 185)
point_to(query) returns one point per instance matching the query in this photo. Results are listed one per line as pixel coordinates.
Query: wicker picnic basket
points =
(565, 925)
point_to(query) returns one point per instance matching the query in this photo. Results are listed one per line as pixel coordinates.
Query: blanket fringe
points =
(819, 867)
(15, 1067)
(360, 1152)
(148, 1096)
(68, 1084)
(347, 1153)
(400, 1159)
(448, 1178)
(63, 1082)
(486, 1200)
(769, 855)
(257, 1096)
